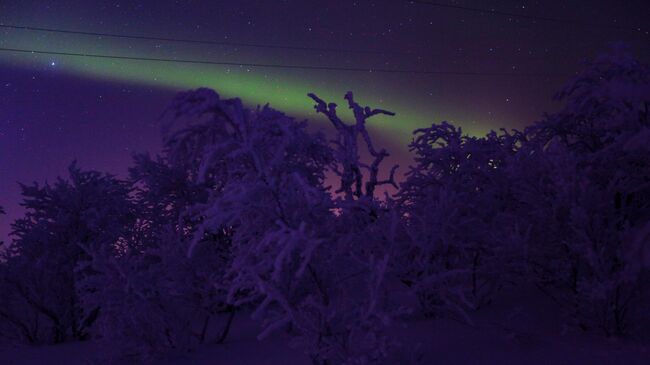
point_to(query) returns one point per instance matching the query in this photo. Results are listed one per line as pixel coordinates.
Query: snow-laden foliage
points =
(457, 203)
(606, 101)
(564, 204)
(590, 162)
(48, 256)
(155, 299)
(292, 256)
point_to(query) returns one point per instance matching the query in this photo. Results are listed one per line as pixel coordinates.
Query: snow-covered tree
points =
(48, 257)
(457, 204)
(156, 299)
(347, 164)
(565, 202)
(293, 258)
(360, 257)
(590, 162)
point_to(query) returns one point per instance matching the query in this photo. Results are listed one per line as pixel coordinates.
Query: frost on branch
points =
(50, 256)
(155, 299)
(457, 205)
(293, 260)
(608, 99)
(590, 160)
(348, 165)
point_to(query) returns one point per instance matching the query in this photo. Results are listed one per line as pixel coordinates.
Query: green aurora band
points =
(283, 89)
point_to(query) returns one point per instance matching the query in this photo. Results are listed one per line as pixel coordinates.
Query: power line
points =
(194, 41)
(284, 66)
(523, 16)
(198, 41)
(464, 53)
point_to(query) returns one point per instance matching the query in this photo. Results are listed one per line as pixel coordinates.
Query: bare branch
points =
(369, 113)
(347, 147)
(328, 109)
(391, 179)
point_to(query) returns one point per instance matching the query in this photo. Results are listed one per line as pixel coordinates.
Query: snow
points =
(524, 337)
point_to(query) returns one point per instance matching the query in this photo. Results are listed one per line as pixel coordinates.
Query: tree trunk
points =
(226, 329)
(205, 328)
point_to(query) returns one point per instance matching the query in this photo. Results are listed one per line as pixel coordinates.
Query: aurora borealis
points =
(284, 89)
(54, 109)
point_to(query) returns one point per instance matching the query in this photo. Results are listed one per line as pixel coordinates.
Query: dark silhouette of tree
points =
(347, 149)
(457, 202)
(590, 161)
(49, 255)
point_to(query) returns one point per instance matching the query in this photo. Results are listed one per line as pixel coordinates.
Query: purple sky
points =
(54, 109)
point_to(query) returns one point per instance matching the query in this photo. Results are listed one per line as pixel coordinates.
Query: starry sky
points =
(486, 70)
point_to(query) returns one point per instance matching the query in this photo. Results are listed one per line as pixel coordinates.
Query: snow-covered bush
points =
(564, 204)
(293, 257)
(457, 203)
(586, 185)
(46, 260)
(155, 299)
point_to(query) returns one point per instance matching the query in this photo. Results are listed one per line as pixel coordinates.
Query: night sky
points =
(496, 70)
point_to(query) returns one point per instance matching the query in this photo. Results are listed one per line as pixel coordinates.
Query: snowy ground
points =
(519, 337)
